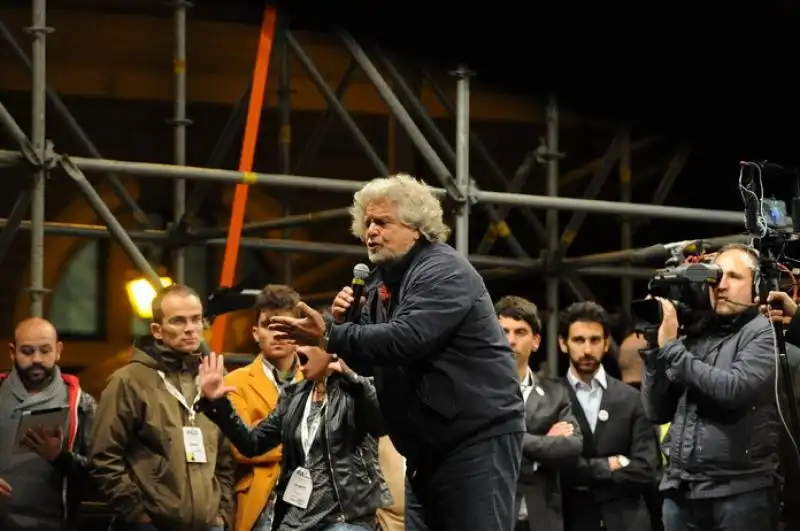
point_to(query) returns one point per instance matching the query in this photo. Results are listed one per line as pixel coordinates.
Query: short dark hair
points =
(173, 289)
(587, 312)
(521, 309)
(746, 249)
(276, 298)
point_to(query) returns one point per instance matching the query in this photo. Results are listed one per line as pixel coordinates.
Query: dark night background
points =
(722, 78)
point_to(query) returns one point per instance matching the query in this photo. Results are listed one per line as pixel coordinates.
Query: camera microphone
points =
(360, 275)
(752, 207)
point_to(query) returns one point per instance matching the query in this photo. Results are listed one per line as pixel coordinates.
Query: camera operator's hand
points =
(669, 322)
(785, 312)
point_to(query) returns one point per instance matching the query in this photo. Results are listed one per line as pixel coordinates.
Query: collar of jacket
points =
(724, 325)
(167, 359)
(392, 273)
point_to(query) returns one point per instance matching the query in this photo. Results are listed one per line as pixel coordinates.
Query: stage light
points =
(141, 295)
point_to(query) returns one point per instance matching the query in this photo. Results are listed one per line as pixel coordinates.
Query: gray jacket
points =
(718, 393)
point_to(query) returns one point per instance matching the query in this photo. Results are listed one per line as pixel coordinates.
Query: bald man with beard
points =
(33, 492)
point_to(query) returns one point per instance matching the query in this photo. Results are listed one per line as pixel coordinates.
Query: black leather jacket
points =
(352, 425)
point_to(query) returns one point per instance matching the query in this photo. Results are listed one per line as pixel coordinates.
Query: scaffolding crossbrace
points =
(39, 155)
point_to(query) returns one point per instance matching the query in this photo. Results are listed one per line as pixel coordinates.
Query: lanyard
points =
(307, 433)
(182, 399)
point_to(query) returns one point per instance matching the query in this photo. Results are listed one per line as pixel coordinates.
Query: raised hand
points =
(212, 377)
(305, 330)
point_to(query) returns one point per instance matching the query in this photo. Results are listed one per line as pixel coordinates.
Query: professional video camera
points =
(684, 281)
(688, 273)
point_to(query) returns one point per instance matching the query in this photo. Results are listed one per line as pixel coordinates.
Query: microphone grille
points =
(361, 271)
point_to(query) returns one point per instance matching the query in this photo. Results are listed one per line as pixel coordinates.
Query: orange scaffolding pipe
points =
(231, 257)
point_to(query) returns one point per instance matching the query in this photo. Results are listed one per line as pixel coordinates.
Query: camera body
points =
(685, 285)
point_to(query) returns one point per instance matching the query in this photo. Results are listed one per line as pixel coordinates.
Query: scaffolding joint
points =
(179, 3)
(180, 235)
(543, 154)
(179, 122)
(31, 156)
(38, 292)
(50, 157)
(462, 72)
(39, 31)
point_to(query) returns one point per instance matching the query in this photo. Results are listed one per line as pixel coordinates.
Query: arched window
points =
(77, 306)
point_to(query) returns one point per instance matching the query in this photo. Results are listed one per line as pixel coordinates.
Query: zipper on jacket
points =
(330, 456)
(364, 464)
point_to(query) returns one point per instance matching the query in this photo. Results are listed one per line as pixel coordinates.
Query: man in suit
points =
(552, 438)
(258, 387)
(603, 490)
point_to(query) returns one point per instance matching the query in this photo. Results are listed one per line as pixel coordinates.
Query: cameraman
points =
(715, 386)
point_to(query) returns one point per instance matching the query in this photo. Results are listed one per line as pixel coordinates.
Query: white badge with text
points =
(602, 415)
(298, 491)
(193, 445)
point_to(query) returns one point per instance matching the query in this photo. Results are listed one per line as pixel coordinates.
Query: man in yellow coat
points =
(258, 386)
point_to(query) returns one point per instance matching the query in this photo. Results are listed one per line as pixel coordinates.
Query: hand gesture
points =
(212, 377)
(561, 429)
(47, 444)
(317, 362)
(306, 330)
(5, 489)
(342, 302)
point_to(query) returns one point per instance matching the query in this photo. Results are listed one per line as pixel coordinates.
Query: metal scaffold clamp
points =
(181, 235)
(179, 3)
(543, 154)
(462, 72)
(50, 157)
(552, 268)
(37, 31)
(472, 198)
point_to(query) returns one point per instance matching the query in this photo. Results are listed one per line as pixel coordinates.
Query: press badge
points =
(298, 491)
(193, 445)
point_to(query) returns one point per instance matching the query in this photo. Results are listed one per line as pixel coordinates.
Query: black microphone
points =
(360, 275)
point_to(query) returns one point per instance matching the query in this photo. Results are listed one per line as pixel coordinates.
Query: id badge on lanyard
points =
(298, 490)
(193, 442)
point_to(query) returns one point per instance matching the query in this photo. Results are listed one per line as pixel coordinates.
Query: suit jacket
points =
(255, 398)
(616, 496)
(543, 456)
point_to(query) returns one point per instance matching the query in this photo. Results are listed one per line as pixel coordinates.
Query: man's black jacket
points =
(443, 369)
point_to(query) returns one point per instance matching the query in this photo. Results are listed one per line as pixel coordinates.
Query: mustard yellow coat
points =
(254, 400)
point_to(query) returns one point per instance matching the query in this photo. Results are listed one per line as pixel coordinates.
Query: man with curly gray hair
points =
(444, 372)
